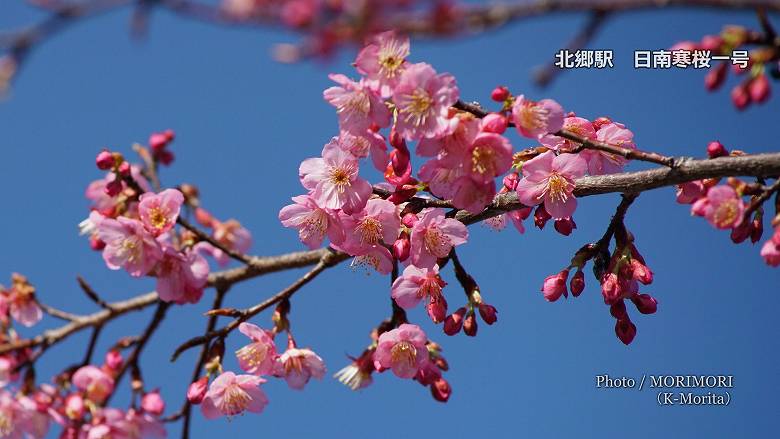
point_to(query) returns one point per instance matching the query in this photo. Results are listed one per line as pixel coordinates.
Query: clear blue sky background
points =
(244, 123)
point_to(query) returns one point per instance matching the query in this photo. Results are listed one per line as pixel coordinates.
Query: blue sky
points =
(244, 123)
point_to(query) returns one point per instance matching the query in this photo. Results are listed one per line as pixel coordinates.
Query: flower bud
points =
(564, 226)
(499, 94)
(554, 286)
(114, 187)
(759, 89)
(470, 325)
(197, 390)
(577, 283)
(711, 43)
(441, 390)
(645, 303)
(114, 359)
(741, 232)
(494, 123)
(541, 216)
(96, 244)
(618, 310)
(488, 313)
(641, 272)
(204, 218)
(437, 309)
(510, 181)
(740, 96)
(610, 288)
(104, 160)
(401, 248)
(158, 141)
(600, 122)
(454, 322)
(625, 331)
(716, 77)
(757, 230)
(124, 169)
(74, 406)
(153, 403)
(716, 149)
(165, 157)
(410, 220)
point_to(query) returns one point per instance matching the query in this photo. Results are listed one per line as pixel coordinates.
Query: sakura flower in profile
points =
(96, 384)
(259, 356)
(722, 207)
(416, 284)
(181, 277)
(533, 119)
(334, 180)
(433, 236)
(298, 366)
(471, 194)
(368, 144)
(459, 134)
(159, 212)
(403, 350)
(422, 98)
(383, 60)
(770, 251)
(230, 395)
(555, 286)
(549, 179)
(21, 301)
(516, 217)
(378, 223)
(376, 257)
(601, 162)
(577, 125)
(231, 234)
(690, 191)
(313, 223)
(153, 403)
(356, 104)
(128, 245)
(357, 374)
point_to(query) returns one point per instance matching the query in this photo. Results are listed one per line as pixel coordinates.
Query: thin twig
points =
(760, 199)
(92, 294)
(57, 313)
(203, 236)
(92, 343)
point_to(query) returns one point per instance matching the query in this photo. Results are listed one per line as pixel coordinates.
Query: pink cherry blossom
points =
(416, 284)
(533, 119)
(422, 98)
(259, 356)
(231, 234)
(441, 174)
(549, 179)
(376, 257)
(159, 212)
(181, 277)
(230, 395)
(135, 425)
(690, 191)
(489, 156)
(368, 144)
(334, 180)
(459, 134)
(471, 194)
(383, 61)
(403, 350)
(34, 418)
(12, 419)
(153, 403)
(313, 223)
(298, 366)
(105, 204)
(433, 236)
(723, 207)
(600, 162)
(128, 245)
(20, 302)
(516, 217)
(577, 125)
(555, 286)
(378, 223)
(356, 104)
(770, 251)
(96, 384)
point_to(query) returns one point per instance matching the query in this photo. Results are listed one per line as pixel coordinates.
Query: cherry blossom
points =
(422, 98)
(549, 179)
(313, 223)
(377, 224)
(159, 212)
(433, 236)
(298, 366)
(181, 277)
(722, 207)
(334, 180)
(402, 350)
(383, 61)
(259, 356)
(534, 119)
(230, 395)
(416, 284)
(96, 384)
(601, 162)
(128, 245)
(356, 104)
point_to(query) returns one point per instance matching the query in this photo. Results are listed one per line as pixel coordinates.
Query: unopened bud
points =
(114, 187)
(470, 325)
(716, 77)
(104, 160)
(716, 149)
(499, 94)
(488, 313)
(494, 123)
(454, 322)
(577, 283)
(437, 309)
(197, 390)
(645, 303)
(740, 96)
(541, 216)
(401, 248)
(564, 226)
(114, 359)
(625, 331)
(757, 230)
(759, 89)
(410, 220)
(441, 390)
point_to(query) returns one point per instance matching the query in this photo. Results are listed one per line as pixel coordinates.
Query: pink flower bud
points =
(577, 283)
(740, 96)
(716, 77)
(158, 141)
(759, 89)
(564, 226)
(641, 272)
(124, 169)
(204, 218)
(757, 230)
(165, 157)
(74, 406)
(499, 94)
(711, 43)
(488, 313)
(410, 220)
(741, 232)
(401, 248)
(153, 403)
(716, 149)
(96, 244)
(618, 310)
(104, 160)
(494, 123)
(114, 187)
(441, 390)
(510, 181)
(454, 322)
(555, 286)
(610, 288)
(437, 309)
(114, 359)
(645, 303)
(625, 331)
(541, 216)
(470, 325)
(600, 122)
(197, 390)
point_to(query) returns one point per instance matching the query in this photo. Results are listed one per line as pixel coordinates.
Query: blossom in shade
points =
(128, 245)
(576, 125)
(376, 257)
(357, 105)
(159, 212)
(489, 156)
(549, 179)
(181, 277)
(313, 223)
(197, 390)
(334, 180)
(555, 286)
(416, 284)
(441, 174)
(422, 99)
(533, 119)
(230, 395)
(383, 61)
(378, 223)
(722, 207)
(298, 366)
(231, 234)
(259, 356)
(369, 144)
(403, 350)
(462, 129)
(602, 162)
(96, 384)
(434, 235)
(472, 194)
(770, 251)
(690, 191)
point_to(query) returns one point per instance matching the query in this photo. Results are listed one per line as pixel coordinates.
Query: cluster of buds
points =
(158, 142)
(113, 161)
(465, 317)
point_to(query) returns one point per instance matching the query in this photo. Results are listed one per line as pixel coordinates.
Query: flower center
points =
(726, 213)
(418, 107)
(97, 391)
(293, 364)
(391, 57)
(558, 188)
(357, 102)
(370, 231)
(430, 287)
(340, 177)
(403, 353)
(235, 400)
(157, 218)
(436, 242)
(366, 261)
(483, 161)
(533, 115)
(315, 224)
(253, 354)
(130, 249)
